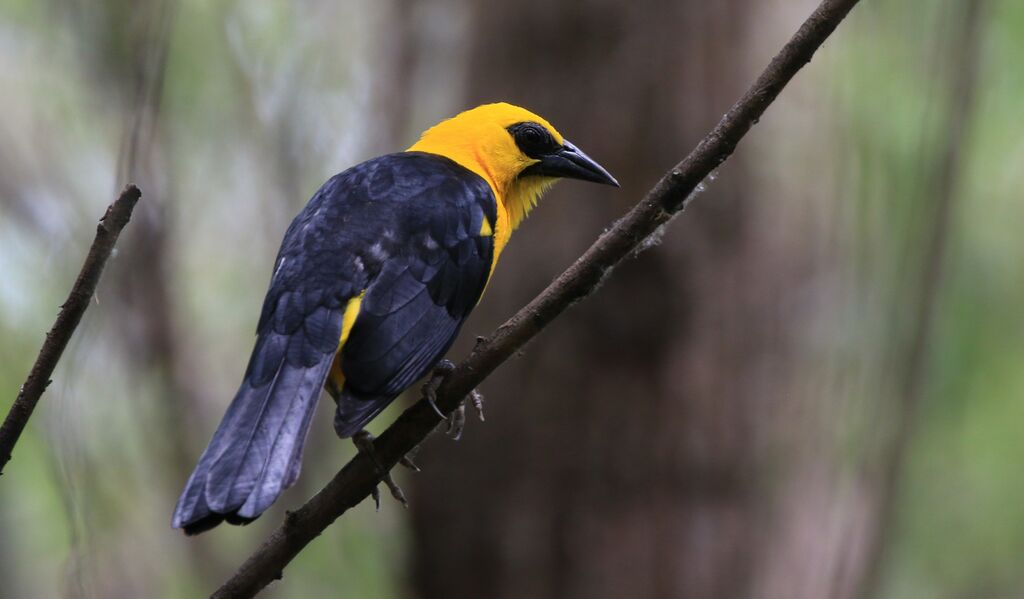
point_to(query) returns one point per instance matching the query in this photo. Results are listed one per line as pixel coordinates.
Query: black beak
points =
(571, 163)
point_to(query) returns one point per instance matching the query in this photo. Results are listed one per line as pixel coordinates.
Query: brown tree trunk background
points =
(619, 455)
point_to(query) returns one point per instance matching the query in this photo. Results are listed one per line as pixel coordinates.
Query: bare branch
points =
(358, 478)
(107, 232)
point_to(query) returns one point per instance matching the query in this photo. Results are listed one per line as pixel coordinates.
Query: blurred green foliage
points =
(960, 531)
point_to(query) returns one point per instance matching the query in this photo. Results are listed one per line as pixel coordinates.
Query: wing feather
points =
(414, 308)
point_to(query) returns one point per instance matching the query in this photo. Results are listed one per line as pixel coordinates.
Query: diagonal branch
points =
(670, 196)
(107, 232)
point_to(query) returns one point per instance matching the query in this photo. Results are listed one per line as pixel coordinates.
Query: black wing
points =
(414, 307)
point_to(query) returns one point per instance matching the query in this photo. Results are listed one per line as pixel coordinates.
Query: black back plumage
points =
(403, 228)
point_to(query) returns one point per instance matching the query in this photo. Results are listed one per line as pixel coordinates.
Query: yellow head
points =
(517, 152)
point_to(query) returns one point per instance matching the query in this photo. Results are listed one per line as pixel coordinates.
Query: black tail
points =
(256, 452)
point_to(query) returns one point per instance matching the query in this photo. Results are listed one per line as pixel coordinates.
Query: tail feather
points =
(282, 464)
(296, 467)
(256, 451)
(235, 474)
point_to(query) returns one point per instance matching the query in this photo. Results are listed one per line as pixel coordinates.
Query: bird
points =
(372, 283)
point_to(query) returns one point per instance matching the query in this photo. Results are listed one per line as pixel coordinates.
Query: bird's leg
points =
(457, 419)
(363, 441)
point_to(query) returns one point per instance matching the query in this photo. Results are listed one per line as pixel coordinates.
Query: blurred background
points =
(812, 387)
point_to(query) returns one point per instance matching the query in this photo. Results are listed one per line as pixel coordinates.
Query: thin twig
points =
(671, 195)
(107, 232)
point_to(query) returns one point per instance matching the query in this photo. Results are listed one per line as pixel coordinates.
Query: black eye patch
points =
(533, 139)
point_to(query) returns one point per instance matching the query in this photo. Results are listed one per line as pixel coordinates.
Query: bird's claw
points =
(478, 403)
(457, 419)
(441, 371)
(457, 422)
(363, 441)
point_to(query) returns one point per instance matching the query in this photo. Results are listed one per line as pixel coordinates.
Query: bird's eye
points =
(532, 136)
(532, 139)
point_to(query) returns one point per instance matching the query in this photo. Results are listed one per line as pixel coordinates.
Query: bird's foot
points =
(478, 403)
(363, 441)
(457, 419)
(441, 372)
